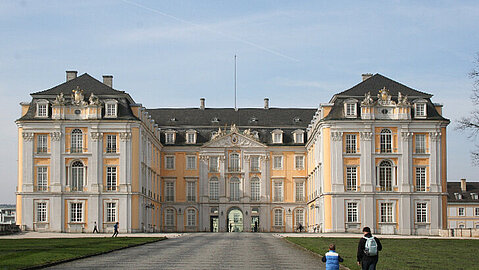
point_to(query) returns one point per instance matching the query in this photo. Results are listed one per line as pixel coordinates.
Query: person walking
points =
(368, 250)
(115, 233)
(332, 258)
(95, 229)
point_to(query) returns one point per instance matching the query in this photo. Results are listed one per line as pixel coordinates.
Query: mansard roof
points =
(86, 83)
(376, 83)
(455, 187)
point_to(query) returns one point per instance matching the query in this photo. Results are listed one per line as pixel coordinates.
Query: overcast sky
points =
(297, 53)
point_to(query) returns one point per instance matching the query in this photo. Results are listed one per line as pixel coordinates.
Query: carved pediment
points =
(233, 139)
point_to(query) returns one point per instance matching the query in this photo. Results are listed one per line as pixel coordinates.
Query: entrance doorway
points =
(254, 224)
(214, 224)
(235, 220)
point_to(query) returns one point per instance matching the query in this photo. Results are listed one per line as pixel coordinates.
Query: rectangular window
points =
(111, 182)
(350, 109)
(191, 163)
(299, 217)
(352, 208)
(420, 143)
(277, 162)
(111, 143)
(278, 191)
(190, 138)
(76, 212)
(298, 137)
(42, 212)
(420, 109)
(42, 143)
(420, 179)
(278, 217)
(255, 190)
(476, 211)
(42, 178)
(461, 211)
(234, 163)
(299, 162)
(299, 191)
(351, 179)
(170, 217)
(386, 212)
(110, 212)
(350, 143)
(214, 189)
(170, 162)
(191, 217)
(170, 191)
(254, 163)
(170, 138)
(421, 212)
(277, 137)
(191, 191)
(214, 164)
(110, 109)
(42, 110)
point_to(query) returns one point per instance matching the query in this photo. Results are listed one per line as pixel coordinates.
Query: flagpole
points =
(236, 108)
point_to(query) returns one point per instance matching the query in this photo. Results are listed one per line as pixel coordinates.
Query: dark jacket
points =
(361, 255)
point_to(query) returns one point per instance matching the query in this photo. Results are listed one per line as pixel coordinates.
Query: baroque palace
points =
(375, 156)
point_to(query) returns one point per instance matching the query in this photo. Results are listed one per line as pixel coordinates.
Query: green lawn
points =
(22, 253)
(403, 253)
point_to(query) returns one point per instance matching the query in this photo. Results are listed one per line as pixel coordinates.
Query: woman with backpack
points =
(368, 249)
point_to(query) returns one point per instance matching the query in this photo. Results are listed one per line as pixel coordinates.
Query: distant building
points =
(463, 205)
(7, 214)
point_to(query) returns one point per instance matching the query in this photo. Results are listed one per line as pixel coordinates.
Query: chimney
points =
(202, 103)
(71, 75)
(108, 80)
(366, 76)
(463, 185)
(266, 103)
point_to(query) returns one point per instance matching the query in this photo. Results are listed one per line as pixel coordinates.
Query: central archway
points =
(235, 220)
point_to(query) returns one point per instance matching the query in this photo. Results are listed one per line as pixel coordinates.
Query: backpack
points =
(371, 247)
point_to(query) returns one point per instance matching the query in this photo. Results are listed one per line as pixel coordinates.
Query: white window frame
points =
(386, 175)
(422, 212)
(111, 213)
(76, 141)
(298, 136)
(421, 178)
(111, 178)
(170, 162)
(461, 213)
(352, 212)
(41, 214)
(299, 191)
(254, 164)
(170, 190)
(170, 217)
(214, 186)
(190, 217)
(77, 176)
(213, 165)
(386, 213)
(277, 136)
(299, 162)
(278, 217)
(277, 162)
(420, 144)
(42, 143)
(191, 136)
(255, 184)
(42, 178)
(234, 188)
(298, 217)
(351, 143)
(420, 113)
(111, 143)
(76, 215)
(278, 191)
(170, 137)
(191, 191)
(42, 109)
(191, 162)
(386, 141)
(351, 178)
(234, 162)
(350, 109)
(111, 108)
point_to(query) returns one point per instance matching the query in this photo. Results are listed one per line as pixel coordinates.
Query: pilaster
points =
(405, 173)
(366, 162)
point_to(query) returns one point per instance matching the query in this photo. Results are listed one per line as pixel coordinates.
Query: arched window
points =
(385, 175)
(76, 141)
(386, 141)
(234, 189)
(255, 189)
(214, 188)
(77, 175)
(234, 162)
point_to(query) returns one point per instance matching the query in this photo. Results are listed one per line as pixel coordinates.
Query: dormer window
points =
(191, 136)
(277, 135)
(474, 196)
(42, 108)
(458, 196)
(170, 136)
(298, 136)
(420, 109)
(350, 108)
(111, 108)
(215, 120)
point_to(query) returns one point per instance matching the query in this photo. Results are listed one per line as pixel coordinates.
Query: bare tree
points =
(470, 124)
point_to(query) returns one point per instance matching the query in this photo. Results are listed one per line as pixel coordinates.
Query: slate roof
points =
(455, 187)
(373, 85)
(264, 121)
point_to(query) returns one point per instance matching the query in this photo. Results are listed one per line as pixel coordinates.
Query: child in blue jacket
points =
(332, 258)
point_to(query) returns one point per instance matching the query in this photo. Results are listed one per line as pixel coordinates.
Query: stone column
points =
(404, 178)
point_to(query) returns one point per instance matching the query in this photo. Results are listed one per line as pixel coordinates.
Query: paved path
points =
(206, 251)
